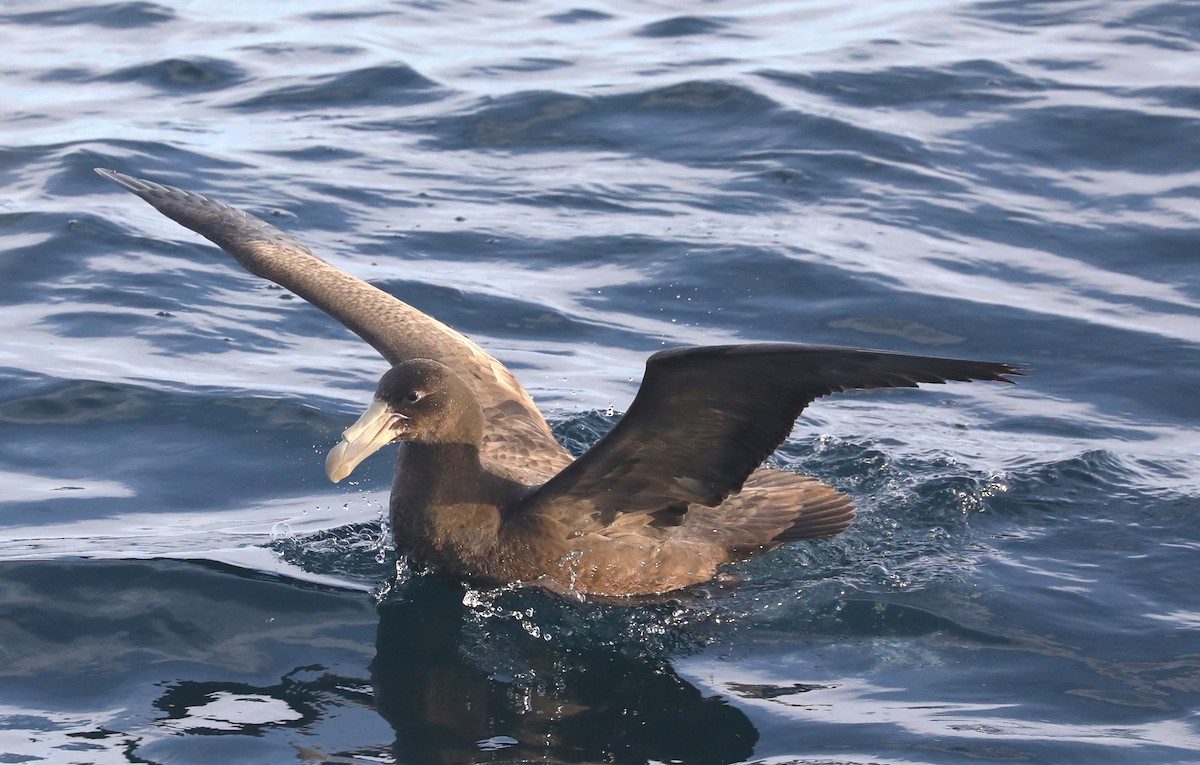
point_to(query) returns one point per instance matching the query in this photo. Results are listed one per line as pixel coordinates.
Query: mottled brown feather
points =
(704, 418)
(397, 330)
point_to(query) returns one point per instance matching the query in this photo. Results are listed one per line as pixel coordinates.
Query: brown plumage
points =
(482, 488)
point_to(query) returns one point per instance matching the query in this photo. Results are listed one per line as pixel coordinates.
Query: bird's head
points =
(420, 401)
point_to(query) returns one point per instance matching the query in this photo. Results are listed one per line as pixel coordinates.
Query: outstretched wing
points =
(394, 328)
(705, 418)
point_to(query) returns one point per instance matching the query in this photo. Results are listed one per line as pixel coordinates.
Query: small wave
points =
(684, 26)
(112, 16)
(182, 74)
(394, 84)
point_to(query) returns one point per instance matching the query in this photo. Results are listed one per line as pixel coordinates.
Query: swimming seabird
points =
(484, 491)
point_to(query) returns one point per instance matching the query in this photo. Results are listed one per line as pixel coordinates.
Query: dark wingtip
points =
(1011, 370)
(990, 371)
(135, 185)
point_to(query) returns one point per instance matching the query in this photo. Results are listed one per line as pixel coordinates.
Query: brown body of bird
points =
(482, 488)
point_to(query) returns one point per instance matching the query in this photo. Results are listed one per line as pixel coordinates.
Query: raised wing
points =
(705, 418)
(394, 328)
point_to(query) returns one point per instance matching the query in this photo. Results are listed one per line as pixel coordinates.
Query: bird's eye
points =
(412, 397)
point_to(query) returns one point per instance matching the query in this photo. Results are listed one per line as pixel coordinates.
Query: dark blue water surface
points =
(576, 186)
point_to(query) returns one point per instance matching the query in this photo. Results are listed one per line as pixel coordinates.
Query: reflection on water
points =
(204, 663)
(538, 699)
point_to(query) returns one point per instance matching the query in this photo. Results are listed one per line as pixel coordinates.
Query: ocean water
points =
(576, 186)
